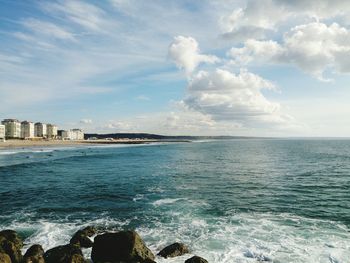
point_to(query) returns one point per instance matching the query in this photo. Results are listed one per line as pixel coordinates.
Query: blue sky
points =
(262, 68)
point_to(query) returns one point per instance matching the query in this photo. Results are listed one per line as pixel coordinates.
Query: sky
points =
(178, 67)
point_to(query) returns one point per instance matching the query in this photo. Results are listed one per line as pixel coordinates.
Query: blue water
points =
(230, 201)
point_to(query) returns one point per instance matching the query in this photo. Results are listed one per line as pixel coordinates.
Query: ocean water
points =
(230, 201)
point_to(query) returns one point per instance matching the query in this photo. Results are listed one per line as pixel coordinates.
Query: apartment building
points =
(27, 129)
(51, 131)
(40, 129)
(12, 128)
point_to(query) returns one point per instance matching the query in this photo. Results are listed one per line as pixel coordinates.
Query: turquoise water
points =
(230, 201)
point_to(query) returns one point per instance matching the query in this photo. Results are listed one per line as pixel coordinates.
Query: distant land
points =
(151, 136)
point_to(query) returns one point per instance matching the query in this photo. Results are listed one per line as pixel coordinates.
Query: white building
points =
(40, 129)
(51, 131)
(27, 129)
(12, 128)
(65, 134)
(2, 132)
(73, 134)
(77, 134)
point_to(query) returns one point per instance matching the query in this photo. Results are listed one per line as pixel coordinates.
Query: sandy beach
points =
(44, 143)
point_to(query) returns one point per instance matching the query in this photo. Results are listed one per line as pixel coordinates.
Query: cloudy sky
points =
(241, 67)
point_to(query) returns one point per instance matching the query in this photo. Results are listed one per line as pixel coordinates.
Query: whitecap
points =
(167, 201)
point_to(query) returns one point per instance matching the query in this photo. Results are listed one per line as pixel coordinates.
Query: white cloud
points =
(86, 121)
(186, 54)
(233, 97)
(84, 14)
(258, 19)
(142, 98)
(253, 21)
(48, 29)
(312, 47)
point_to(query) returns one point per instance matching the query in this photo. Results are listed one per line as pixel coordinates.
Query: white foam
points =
(7, 153)
(138, 197)
(242, 237)
(167, 201)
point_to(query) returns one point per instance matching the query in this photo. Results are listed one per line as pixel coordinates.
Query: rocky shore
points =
(113, 247)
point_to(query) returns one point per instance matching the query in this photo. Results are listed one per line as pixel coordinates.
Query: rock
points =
(4, 258)
(12, 236)
(81, 238)
(34, 254)
(123, 246)
(64, 254)
(174, 250)
(11, 244)
(196, 259)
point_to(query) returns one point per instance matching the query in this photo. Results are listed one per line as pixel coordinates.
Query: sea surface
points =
(229, 201)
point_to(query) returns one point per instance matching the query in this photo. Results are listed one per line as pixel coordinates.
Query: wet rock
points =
(4, 258)
(81, 237)
(34, 254)
(174, 250)
(123, 246)
(196, 259)
(64, 254)
(11, 244)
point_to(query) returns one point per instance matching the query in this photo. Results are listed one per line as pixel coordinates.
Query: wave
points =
(7, 153)
(167, 201)
(241, 237)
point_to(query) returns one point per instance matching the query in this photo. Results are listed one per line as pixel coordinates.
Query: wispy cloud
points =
(47, 29)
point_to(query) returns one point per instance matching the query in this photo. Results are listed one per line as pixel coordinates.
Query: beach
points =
(57, 143)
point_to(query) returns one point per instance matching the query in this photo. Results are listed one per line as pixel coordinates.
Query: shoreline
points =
(10, 144)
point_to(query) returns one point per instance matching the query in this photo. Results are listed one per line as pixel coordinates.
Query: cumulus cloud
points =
(321, 9)
(253, 21)
(226, 96)
(258, 19)
(186, 54)
(312, 47)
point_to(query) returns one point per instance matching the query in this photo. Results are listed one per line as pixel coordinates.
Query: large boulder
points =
(11, 244)
(81, 237)
(123, 246)
(64, 254)
(34, 254)
(174, 250)
(196, 259)
(4, 258)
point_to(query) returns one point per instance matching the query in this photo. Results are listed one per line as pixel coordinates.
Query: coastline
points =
(43, 143)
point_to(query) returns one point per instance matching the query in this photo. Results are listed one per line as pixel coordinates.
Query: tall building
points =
(2, 132)
(73, 134)
(65, 134)
(51, 131)
(12, 128)
(77, 134)
(27, 129)
(40, 129)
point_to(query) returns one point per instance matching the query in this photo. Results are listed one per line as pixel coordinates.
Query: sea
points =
(243, 200)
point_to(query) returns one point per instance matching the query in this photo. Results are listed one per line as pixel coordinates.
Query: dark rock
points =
(64, 254)
(123, 246)
(81, 238)
(174, 250)
(34, 254)
(4, 258)
(196, 259)
(11, 244)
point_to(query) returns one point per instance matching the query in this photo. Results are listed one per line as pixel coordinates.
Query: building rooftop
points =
(11, 120)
